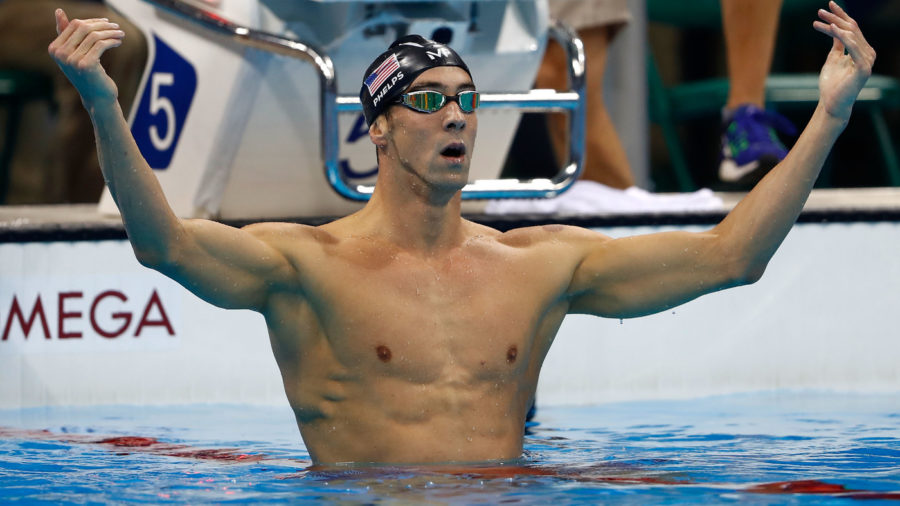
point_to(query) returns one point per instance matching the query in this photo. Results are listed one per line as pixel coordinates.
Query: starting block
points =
(249, 109)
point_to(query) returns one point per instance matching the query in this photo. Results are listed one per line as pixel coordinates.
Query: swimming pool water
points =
(719, 449)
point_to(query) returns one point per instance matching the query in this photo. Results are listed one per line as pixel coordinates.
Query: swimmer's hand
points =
(77, 49)
(843, 75)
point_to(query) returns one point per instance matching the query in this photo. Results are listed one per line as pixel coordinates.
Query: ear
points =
(378, 132)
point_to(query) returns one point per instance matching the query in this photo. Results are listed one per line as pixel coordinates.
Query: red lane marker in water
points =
(151, 445)
(132, 441)
(798, 487)
(819, 487)
(137, 444)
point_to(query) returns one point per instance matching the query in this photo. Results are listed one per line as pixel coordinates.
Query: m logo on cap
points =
(440, 52)
(377, 78)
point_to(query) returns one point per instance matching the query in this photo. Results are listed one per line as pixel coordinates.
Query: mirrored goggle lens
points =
(425, 101)
(432, 101)
(468, 100)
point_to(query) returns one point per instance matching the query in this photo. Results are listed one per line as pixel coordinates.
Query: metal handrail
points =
(331, 104)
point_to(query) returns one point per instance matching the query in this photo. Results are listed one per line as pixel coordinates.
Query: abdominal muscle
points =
(386, 421)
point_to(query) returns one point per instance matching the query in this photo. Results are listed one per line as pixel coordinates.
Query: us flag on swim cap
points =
(377, 78)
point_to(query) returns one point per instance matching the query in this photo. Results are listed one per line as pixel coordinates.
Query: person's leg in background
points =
(597, 22)
(749, 142)
(26, 29)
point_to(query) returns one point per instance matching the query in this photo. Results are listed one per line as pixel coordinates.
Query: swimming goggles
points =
(432, 101)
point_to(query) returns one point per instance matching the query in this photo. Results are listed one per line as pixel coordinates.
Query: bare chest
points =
(460, 319)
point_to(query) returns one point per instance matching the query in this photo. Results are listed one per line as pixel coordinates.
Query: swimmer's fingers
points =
(97, 49)
(831, 31)
(839, 11)
(838, 17)
(837, 47)
(847, 35)
(62, 21)
(843, 75)
(853, 42)
(65, 29)
(79, 35)
(94, 44)
(77, 50)
(87, 33)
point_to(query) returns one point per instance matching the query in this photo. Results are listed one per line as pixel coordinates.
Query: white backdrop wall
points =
(826, 315)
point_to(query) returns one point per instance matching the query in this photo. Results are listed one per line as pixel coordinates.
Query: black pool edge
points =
(69, 232)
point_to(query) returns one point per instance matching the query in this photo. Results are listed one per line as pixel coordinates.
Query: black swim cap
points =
(395, 69)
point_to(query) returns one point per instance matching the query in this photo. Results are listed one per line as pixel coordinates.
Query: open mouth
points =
(455, 150)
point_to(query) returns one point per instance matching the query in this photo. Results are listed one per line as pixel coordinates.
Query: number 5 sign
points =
(164, 105)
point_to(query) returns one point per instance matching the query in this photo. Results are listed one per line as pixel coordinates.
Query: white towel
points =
(589, 197)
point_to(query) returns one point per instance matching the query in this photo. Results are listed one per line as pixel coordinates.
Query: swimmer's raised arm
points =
(646, 274)
(226, 266)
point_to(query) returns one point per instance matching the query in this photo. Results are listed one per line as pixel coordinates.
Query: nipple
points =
(511, 354)
(384, 353)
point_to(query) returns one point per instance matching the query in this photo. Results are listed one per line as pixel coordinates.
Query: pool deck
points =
(84, 221)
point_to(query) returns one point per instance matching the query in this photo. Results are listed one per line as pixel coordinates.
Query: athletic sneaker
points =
(750, 146)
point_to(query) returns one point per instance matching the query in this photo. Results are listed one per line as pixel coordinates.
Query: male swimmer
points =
(404, 333)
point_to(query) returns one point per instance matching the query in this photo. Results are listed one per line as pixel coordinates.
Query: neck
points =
(414, 221)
